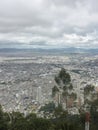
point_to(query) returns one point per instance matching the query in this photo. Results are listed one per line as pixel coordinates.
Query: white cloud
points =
(49, 22)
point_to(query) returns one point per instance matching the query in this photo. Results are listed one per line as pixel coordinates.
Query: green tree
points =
(3, 122)
(58, 111)
(16, 120)
(94, 115)
(54, 90)
(50, 107)
(89, 94)
(63, 86)
(73, 96)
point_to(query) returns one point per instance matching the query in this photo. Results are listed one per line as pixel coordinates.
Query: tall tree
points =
(89, 93)
(63, 86)
(3, 123)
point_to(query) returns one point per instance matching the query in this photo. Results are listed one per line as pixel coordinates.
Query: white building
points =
(39, 97)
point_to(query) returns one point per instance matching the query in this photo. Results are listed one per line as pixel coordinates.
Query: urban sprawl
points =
(26, 82)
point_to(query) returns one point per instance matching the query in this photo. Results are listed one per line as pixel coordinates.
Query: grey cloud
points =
(69, 3)
(27, 20)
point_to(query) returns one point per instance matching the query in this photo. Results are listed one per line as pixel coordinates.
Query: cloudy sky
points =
(49, 23)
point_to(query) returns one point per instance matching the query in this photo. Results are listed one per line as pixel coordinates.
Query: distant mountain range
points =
(54, 50)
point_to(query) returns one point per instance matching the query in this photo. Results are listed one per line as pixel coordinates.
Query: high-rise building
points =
(39, 95)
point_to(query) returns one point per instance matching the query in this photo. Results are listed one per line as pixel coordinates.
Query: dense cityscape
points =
(26, 82)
